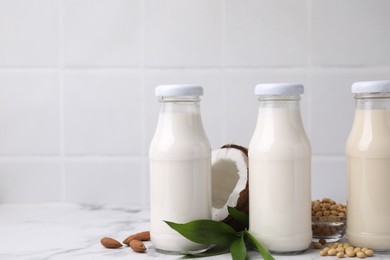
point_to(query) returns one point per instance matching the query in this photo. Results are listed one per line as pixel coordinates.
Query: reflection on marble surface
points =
(72, 231)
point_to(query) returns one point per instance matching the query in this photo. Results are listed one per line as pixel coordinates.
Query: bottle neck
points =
(280, 113)
(185, 104)
(280, 102)
(373, 101)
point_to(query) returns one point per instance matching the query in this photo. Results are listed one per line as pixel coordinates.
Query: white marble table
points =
(72, 231)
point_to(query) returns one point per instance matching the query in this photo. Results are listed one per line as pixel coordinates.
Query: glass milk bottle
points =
(368, 163)
(279, 171)
(180, 167)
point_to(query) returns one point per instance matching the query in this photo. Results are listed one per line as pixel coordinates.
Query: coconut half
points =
(229, 179)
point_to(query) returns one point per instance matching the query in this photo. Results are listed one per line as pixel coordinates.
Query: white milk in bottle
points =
(279, 171)
(180, 168)
(368, 163)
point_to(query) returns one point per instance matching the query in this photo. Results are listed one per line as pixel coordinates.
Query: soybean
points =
(317, 245)
(343, 249)
(340, 255)
(369, 252)
(360, 254)
(332, 252)
(323, 253)
(322, 241)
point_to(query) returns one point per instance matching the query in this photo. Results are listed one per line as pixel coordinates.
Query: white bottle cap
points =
(377, 86)
(280, 89)
(178, 90)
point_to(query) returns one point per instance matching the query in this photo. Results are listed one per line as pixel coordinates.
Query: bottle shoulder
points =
(183, 145)
(279, 138)
(359, 145)
(181, 152)
(280, 148)
(370, 134)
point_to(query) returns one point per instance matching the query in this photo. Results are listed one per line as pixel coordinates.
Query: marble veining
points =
(73, 231)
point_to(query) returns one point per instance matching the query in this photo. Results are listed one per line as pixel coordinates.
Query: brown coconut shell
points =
(243, 200)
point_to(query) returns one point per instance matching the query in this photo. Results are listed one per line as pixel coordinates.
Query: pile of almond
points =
(133, 241)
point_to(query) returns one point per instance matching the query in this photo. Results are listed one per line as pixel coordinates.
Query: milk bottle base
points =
(276, 252)
(288, 252)
(378, 243)
(175, 245)
(286, 245)
(168, 252)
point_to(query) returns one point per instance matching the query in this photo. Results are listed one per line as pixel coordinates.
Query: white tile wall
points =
(30, 181)
(29, 113)
(350, 32)
(266, 33)
(329, 178)
(101, 33)
(29, 33)
(183, 33)
(99, 181)
(77, 78)
(103, 113)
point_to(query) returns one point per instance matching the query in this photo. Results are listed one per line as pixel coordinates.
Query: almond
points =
(108, 242)
(137, 246)
(142, 236)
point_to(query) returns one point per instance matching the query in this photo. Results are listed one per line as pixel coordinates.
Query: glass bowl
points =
(331, 231)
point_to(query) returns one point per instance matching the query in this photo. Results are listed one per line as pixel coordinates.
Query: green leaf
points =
(240, 216)
(205, 231)
(216, 250)
(238, 249)
(253, 242)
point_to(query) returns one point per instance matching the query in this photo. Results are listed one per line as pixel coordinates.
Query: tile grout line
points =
(61, 99)
(70, 158)
(142, 71)
(223, 36)
(194, 68)
(328, 157)
(223, 68)
(309, 66)
(143, 98)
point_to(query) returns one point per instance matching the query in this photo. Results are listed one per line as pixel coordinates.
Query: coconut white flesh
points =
(228, 179)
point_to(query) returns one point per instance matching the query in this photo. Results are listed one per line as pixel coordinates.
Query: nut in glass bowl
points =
(330, 231)
(328, 220)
